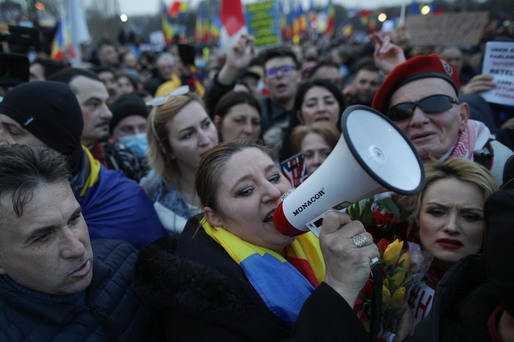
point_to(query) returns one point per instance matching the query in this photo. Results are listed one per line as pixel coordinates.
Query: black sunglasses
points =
(433, 104)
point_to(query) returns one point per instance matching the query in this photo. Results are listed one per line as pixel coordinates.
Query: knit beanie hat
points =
(499, 216)
(50, 111)
(413, 69)
(127, 105)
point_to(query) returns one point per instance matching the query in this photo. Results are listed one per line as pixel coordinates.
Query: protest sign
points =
(464, 28)
(262, 21)
(499, 62)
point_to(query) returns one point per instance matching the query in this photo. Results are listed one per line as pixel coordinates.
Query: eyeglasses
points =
(159, 101)
(284, 70)
(433, 104)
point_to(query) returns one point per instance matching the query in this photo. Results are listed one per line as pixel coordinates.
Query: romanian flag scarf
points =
(283, 283)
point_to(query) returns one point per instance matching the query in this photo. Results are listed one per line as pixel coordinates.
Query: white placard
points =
(499, 62)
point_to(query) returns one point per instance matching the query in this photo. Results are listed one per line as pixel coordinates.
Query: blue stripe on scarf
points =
(282, 287)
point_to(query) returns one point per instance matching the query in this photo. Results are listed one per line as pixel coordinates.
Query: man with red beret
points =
(421, 96)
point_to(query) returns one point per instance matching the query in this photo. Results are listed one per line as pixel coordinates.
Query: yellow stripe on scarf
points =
(305, 246)
(94, 172)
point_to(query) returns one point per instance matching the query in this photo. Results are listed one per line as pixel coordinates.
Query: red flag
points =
(232, 17)
(232, 23)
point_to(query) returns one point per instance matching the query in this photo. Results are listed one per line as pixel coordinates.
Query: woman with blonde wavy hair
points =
(179, 132)
(449, 214)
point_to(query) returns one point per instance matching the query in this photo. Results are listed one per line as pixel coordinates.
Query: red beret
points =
(414, 69)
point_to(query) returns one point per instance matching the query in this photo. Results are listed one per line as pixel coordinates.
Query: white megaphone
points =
(372, 156)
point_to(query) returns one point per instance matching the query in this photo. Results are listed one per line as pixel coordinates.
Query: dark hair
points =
(132, 79)
(285, 151)
(366, 63)
(23, 168)
(106, 42)
(279, 52)
(306, 86)
(68, 74)
(212, 165)
(233, 98)
(50, 66)
(102, 68)
(323, 64)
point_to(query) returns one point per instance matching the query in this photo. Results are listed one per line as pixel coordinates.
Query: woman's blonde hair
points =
(458, 168)
(157, 131)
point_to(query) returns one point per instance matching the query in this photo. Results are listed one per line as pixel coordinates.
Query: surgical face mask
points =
(137, 143)
(200, 63)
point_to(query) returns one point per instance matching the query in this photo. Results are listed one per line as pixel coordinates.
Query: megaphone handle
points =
(376, 301)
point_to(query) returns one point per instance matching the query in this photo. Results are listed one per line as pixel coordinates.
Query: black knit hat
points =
(50, 111)
(499, 215)
(127, 105)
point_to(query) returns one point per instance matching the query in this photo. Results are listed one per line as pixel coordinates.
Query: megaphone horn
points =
(372, 156)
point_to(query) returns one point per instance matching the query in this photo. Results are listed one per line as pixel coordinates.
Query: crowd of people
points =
(137, 196)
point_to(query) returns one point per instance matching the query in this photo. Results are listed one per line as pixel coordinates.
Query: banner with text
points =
(262, 19)
(464, 28)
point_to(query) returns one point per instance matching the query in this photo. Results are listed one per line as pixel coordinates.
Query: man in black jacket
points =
(54, 283)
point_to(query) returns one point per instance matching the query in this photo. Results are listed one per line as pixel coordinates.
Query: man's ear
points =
(213, 218)
(464, 113)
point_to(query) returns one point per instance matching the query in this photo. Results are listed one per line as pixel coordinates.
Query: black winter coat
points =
(463, 302)
(204, 296)
(111, 312)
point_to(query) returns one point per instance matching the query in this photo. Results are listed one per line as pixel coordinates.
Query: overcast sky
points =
(152, 6)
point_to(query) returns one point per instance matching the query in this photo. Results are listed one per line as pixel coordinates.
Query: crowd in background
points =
(172, 134)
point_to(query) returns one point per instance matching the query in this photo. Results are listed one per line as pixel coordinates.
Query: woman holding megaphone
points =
(233, 277)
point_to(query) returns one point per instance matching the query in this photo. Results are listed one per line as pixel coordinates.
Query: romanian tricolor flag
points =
(167, 28)
(201, 25)
(298, 19)
(284, 284)
(62, 48)
(312, 18)
(282, 20)
(215, 25)
(176, 9)
(347, 29)
(330, 18)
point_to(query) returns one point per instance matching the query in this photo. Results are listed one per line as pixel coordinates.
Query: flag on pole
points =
(62, 48)
(215, 28)
(167, 28)
(282, 19)
(201, 25)
(176, 8)
(79, 30)
(330, 18)
(232, 21)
